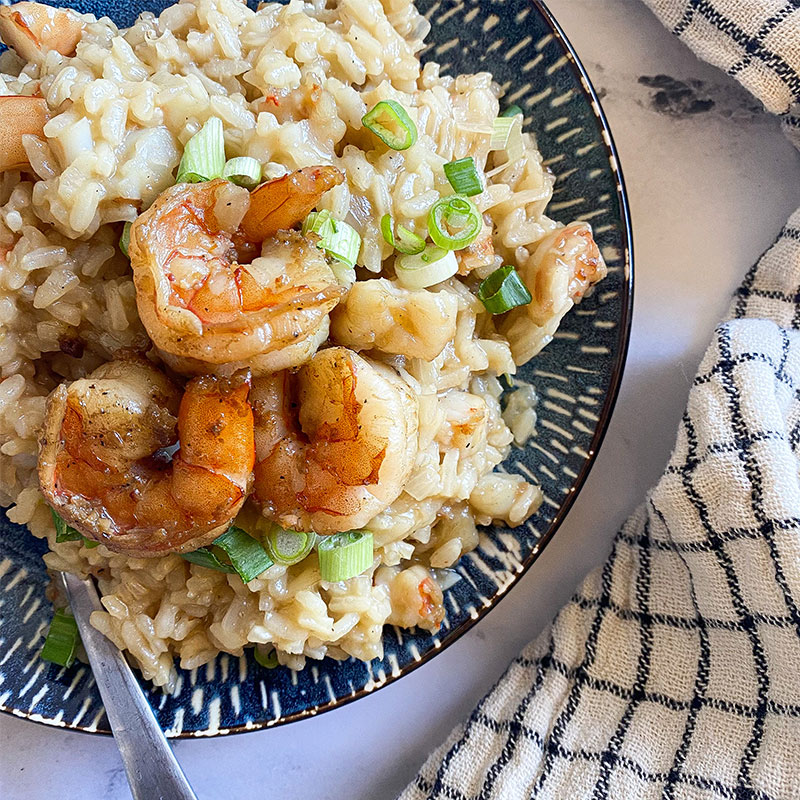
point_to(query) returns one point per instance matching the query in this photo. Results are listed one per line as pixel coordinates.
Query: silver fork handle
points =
(152, 769)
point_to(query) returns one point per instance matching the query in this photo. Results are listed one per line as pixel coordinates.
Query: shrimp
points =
(19, 115)
(281, 203)
(102, 467)
(335, 442)
(33, 29)
(207, 313)
(417, 600)
(558, 275)
(379, 314)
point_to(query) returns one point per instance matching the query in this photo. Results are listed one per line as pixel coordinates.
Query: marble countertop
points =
(711, 181)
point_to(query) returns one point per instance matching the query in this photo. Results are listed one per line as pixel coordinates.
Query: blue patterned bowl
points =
(577, 377)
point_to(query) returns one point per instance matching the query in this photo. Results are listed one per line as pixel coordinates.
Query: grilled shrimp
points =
(102, 469)
(280, 204)
(411, 322)
(558, 275)
(33, 29)
(19, 115)
(335, 442)
(207, 313)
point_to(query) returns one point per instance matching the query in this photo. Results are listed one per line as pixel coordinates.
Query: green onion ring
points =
(390, 122)
(454, 211)
(406, 241)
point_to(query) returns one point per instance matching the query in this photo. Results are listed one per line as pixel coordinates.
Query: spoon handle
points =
(152, 769)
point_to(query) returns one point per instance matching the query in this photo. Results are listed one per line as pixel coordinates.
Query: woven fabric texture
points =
(674, 671)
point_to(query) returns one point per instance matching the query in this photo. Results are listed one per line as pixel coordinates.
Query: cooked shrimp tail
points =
(102, 467)
(282, 203)
(32, 29)
(19, 115)
(335, 442)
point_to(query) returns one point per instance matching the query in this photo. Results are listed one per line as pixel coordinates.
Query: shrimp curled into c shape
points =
(335, 442)
(101, 467)
(207, 313)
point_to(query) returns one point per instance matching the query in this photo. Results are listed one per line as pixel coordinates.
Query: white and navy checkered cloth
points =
(674, 672)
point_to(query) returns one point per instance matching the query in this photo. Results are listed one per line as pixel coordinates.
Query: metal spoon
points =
(152, 769)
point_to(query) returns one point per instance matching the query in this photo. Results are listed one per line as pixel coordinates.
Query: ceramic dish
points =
(577, 377)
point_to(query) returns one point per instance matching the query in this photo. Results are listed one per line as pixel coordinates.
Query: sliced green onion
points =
(405, 241)
(430, 267)
(319, 222)
(463, 176)
(453, 222)
(390, 122)
(204, 155)
(344, 555)
(63, 531)
(243, 171)
(512, 111)
(125, 239)
(338, 239)
(62, 639)
(289, 547)
(344, 244)
(507, 136)
(247, 555)
(267, 659)
(503, 290)
(206, 558)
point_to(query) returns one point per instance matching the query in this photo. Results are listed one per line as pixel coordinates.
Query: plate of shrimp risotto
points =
(312, 319)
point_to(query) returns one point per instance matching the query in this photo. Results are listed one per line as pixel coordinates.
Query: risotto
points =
(215, 230)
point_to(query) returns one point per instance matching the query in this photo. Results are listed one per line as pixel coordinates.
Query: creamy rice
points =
(122, 109)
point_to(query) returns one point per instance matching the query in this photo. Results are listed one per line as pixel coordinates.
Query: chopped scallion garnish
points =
(125, 239)
(507, 136)
(62, 639)
(243, 171)
(453, 222)
(404, 241)
(247, 555)
(344, 555)
(64, 533)
(344, 244)
(319, 222)
(463, 176)
(338, 239)
(503, 290)
(428, 268)
(266, 658)
(206, 558)
(390, 122)
(204, 155)
(289, 547)
(512, 111)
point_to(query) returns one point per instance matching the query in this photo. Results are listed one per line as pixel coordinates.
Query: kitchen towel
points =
(674, 671)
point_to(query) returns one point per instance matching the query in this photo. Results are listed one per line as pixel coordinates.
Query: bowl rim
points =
(606, 412)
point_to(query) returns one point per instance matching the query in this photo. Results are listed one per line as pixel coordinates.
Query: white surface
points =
(708, 194)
